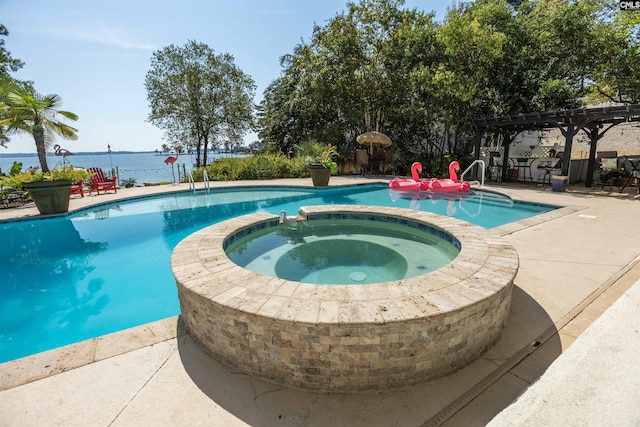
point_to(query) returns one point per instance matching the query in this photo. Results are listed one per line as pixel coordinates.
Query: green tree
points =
(199, 98)
(281, 126)
(618, 79)
(25, 111)
(354, 75)
(473, 41)
(573, 40)
(379, 67)
(8, 64)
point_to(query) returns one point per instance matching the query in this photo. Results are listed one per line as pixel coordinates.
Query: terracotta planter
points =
(50, 197)
(319, 175)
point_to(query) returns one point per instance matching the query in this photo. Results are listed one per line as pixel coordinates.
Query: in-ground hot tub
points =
(346, 338)
(342, 252)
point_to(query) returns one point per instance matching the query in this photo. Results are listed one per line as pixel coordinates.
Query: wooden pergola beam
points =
(537, 120)
(569, 122)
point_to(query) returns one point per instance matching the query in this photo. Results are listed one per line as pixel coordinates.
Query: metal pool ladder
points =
(481, 166)
(205, 178)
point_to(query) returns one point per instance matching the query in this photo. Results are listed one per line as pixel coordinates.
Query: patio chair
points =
(100, 182)
(495, 165)
(610, 174)
(633, 166)
(387, 161)
(550, 167)
(362, 161)
(376, 161)
(78, 188)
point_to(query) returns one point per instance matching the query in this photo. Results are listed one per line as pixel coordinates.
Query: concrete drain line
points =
(454, 407)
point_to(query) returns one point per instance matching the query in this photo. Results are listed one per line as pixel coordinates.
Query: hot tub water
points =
(342, 252)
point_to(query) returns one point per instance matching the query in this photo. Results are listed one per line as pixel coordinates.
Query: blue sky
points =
(95, 54)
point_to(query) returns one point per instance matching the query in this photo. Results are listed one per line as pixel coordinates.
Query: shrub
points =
(17, 178)
(263, 166)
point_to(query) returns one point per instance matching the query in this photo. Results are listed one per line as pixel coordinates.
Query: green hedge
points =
(254, 167)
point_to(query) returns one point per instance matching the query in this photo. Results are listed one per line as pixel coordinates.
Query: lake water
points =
(144, 167)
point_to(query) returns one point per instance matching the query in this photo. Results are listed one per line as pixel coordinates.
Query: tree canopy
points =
(24, 110)
(8, 65)
(380, 67)
(198, 98)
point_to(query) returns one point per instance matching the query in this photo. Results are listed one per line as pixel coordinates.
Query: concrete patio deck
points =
(576, 263)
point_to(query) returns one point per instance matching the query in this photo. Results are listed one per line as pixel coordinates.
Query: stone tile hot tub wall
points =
(346, 338)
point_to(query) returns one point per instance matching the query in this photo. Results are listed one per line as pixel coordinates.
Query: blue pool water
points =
(104, 269)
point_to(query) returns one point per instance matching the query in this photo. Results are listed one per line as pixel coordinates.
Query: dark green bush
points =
(255, 167)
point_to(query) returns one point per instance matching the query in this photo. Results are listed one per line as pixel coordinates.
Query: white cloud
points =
(102, 34)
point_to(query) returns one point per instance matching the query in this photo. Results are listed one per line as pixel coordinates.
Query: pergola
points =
(595, 122)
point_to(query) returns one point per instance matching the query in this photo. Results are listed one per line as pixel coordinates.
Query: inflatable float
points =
(452, 184)
(447, 185)
(414, 184)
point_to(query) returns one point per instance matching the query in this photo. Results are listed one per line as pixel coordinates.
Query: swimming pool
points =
(106, 268)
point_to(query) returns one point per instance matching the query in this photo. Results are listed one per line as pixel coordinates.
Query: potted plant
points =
(49, 190)
(26, 111)
(322, 166)
(128, 183)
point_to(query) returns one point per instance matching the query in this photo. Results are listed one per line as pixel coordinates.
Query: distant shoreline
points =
(103, 153)
(80, 153)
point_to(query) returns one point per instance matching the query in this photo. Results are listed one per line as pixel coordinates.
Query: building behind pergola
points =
(595, 122)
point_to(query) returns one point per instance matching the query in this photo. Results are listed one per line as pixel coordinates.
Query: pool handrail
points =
(478, 162)
(192, 184)
(205, 177)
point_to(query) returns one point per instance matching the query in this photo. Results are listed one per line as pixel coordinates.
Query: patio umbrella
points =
(374, 138)
(378, 139)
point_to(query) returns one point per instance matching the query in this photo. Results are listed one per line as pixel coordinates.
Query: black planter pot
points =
(319, 175)
(50, 197)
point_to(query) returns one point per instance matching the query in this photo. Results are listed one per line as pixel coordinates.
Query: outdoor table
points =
(524, 164)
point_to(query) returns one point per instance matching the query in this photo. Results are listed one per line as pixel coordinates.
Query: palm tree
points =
(23, 110)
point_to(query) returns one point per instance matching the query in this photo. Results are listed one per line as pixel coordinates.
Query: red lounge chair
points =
(100, 182)
(77, 188)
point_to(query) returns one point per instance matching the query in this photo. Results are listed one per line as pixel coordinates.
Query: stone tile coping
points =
(41, 365)
(485, 265)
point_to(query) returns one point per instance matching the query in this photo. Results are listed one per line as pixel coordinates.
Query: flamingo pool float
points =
(413, 184)
(287, 219)
(450, 185)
